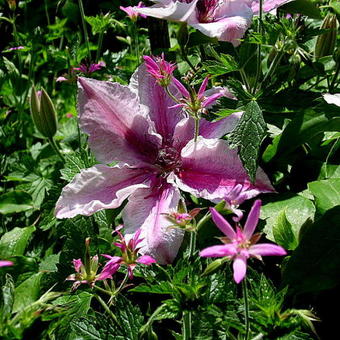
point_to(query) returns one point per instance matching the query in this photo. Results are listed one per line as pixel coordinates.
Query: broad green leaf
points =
(14, 242)
(315, 263)
(336, 6)
(329, 171)
(283, 232)
(304, 7)
(49, 263)
(159, 288)
(248, 136)
(15, 201)
(27, 292)
(326, 193)
(298, 210)
(7, 299)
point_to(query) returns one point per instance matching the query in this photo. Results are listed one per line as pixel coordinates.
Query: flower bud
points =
(43, 113)
(325, 42)
(12, 4)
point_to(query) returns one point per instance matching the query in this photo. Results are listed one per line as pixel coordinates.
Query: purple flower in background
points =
(88, 69)
(241, 245)
(4, 263)
(130, 11)
(226, 20)
(129, 257)
(138, 126)
(16, 48)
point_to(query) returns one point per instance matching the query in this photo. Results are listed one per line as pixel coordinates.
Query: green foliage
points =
(15, 201)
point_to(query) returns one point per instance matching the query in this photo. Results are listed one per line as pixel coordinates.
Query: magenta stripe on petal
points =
(219, 251)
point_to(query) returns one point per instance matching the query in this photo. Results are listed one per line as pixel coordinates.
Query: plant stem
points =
(246, 308)
(82, 14)
(258, 64)
(273, 65)
(192, 243)
(100, 44)
(187, 332)
(122, 283)
(197, 129)
(102, 290)
(202, 221)
(337, 70)
(171, 95)
(55, 148)
(106, 308)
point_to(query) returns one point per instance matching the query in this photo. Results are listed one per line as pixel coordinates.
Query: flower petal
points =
(252, 220)
(158, 101)
(222, 224)
(109, 269)
(218, 251)
(240, 268)
(268, 5)
(146, 259)
(4, 263)
(99, 187)
(266, 249)
(211, 170)
(169, 10)
(118, 126)
(147, 209)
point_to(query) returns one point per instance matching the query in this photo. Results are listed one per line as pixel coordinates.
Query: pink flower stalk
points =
(240, 245)
(84, 275)
(129, 257)
(160, 69)
(131, 12)
(225, 20)
(88, 69)
(16, 48)
(152, 142)
(4, 263)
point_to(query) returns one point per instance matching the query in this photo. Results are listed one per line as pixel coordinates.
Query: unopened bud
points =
(12, 4)
(325, 42)
(43, 113)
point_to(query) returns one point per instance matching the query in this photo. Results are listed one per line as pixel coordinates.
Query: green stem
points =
(122, 284)
(100, 44)
(82, 14)
(55, 148)
(106, 308)
(171, 95)
(107, 292)
(258, 64)
(197, 129)
(246, 308)
(337, 70)
(136, 42)
(187, 332)
(273, 65)
(192, 243)
(202, 221)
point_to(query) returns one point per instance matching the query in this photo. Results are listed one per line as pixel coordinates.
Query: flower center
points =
(206, 10)
(168, 159)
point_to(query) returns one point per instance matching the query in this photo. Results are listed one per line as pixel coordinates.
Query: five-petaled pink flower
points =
(129, 256)
(88, 69)
(132, 13)
(240, 245)
(226, 20)
(4, 263)
(152, 142)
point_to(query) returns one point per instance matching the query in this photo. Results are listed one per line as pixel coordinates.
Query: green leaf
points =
(315, 263)
(283, 232)
(14, 242)
(15, 201)
(73, 165)
(7, 299)
(248, 136)
(326, 193)
(304, 7)
(159, 288)
(27, 292)
(49, 263)
(336, 6)
(297, 210)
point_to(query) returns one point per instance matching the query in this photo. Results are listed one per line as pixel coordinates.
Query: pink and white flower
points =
(137, 126)
(239, 246)
(226, 20)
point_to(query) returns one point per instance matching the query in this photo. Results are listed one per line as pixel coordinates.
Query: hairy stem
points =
(246, 308)
(55, 148)
(106, 308)
(187, 332)
(82, 14)
(258, 64)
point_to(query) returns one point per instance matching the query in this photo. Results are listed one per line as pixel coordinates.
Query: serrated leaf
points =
(326, 193)
(15, 201)
(7, 298)
(248, 136)
(283, 232)
(73, 165)
(14, 242)
(159, 288)
(49, 263)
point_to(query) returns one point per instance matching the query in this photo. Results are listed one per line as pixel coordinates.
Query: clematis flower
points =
(226, 20)
(130, 11)
(241, 245)
(152, 142)
(4, 263)
(129, 257)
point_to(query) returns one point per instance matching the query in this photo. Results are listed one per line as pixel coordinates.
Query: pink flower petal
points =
(211, 170)
(252, 220)
(157, 100)
(266, 249)
(109, 269)
(211, 99)
(219, 251)
(267, 6)
(4, 263)
(77, 264)
(146, 259)
(240, 268)
(222, 224)
(118, 126)
(97, 188)
(147, 209)
(182, 89)
(203, 87)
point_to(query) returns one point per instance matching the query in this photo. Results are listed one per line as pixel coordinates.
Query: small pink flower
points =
(69, 115)
(131, 12)
(16, 48)
(129, 256)
(241, 245)
(4, 263)
(182, 219)
(88, 69)
(160, 69)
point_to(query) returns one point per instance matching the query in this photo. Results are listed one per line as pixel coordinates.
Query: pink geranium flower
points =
(241, 245)
(152, 142)
(225, 20)
(129, 257)
(88, 69)
(132, 13)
